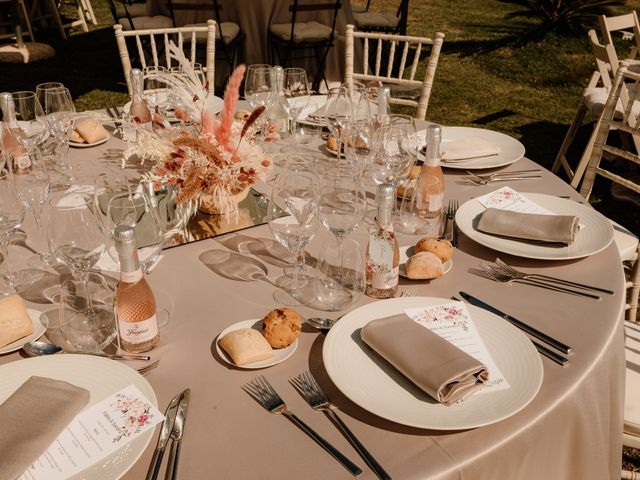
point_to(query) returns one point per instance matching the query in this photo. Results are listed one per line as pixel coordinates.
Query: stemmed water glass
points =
(359, 139)
(297, 92)
(296, 194)
(31, 128)
(338, 111)
(77, 240)
(41, 90)
(341, 207)
(257, 85)
(11, 217)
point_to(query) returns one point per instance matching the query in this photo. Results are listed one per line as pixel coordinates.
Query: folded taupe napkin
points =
(31, 419)
(529, 226)
(434, 364)
(468, 148)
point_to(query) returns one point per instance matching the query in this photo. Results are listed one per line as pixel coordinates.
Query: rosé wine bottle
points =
(134, 302)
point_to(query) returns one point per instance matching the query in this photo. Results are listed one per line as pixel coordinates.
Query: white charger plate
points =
(511, 149)
(89, 145)
(372, 383)
(406, 252)
(38, 330)
(279, 354)
(595, 234)
(101, 377)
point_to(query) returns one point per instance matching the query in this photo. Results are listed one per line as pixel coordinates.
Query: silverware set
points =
(503, 273)
(501, 176)
(172, 429)
(262, 391)
(452, 209)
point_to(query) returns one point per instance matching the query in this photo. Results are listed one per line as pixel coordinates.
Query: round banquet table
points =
(571, 429)
(254, 18)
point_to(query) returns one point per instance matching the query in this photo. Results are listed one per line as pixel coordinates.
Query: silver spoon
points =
(38, 348)
(322, 323)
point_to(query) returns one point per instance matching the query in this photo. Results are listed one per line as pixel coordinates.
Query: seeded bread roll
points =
(439, 247)
(424, 266)
(15, 322)
(281, 327)
(246, 345)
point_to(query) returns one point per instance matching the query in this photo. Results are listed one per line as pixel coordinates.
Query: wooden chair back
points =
(157, 41)
(627, 24)
(318, 6)
(404, 75)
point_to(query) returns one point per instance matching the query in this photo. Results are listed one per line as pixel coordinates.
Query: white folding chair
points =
(387, 74)
(626, 242)
(147, 42)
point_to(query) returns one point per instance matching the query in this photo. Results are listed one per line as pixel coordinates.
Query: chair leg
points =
(561, 159)
(88, 10)
(320, 74)
(56, 18)
(586, 156)
(27, 20)
(634, 290)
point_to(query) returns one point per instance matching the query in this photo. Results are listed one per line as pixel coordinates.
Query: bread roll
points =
(332, 144)
(242, 114)
(281, 327)
(76, 138)
(91, 131)
(15, 322)
(424, 266)
(440, 247)
(245, 345)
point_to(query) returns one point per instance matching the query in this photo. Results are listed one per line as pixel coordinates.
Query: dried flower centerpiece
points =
(213, 165)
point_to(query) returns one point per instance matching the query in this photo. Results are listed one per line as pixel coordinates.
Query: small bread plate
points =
(406, 252)
(38, 320)
(279, 354)
(88, 145)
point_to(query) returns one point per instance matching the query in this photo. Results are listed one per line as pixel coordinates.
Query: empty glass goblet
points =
(11, 217)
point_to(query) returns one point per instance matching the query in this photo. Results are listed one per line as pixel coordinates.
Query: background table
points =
(572, 429)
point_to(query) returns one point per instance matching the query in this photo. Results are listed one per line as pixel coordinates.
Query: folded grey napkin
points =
(434, 364)
(32, 418)
(529, 226)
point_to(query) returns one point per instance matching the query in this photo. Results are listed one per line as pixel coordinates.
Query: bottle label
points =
(138, 332)
(380, 259)
(131, 277)
(435, 202)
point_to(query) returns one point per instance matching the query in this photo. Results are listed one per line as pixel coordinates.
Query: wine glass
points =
(257, 85)
(11, 217)
(393, 155)
(358, 147)
(295, 193)
(338, 111)
(76, 239)
(297, 92)
(31, 128)
(61, 113)
(41, 90)
(134, 209)
(341, 207)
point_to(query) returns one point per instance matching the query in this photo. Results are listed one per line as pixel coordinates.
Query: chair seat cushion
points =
(596, 97)
(304, 32)
(632, 393)
(626, 242)
(230, 31)
(135, 10)
(358, 8)
(376, 20)
(146, 23)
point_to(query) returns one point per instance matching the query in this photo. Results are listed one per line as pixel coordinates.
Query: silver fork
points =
(147, 368)
(408, 293)
(452, 209)
(499, 276)
(316, 398)
(518, 274)
(260, 389)
(501, 176)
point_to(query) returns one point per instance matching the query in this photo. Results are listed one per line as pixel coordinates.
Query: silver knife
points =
(518, 323)
(167, 428)
(176, 436)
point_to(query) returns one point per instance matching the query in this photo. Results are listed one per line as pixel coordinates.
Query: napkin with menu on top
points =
(434, 364)
(529, 226)
(467, 149)
(32, 418)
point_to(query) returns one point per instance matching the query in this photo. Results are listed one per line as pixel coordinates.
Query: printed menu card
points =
(453, 322)
(506, 198)
(95, 433)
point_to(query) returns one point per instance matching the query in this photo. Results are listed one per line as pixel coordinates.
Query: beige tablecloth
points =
(254, 18)
(572, 429)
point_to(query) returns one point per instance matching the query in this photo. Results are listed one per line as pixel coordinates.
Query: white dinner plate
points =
(279, 354)
(212, 104)
(595, 234)
(38, 330)
(372, 383)
(88, 145)
(406, 252)
(101, 377)
(511, 150)
(314, 110)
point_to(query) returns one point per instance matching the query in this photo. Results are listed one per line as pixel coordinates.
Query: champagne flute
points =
(31, 125)
(297, 92)
(338, 111)
(76, 239)
(341, 207)
(295, 193)
(11, 217)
